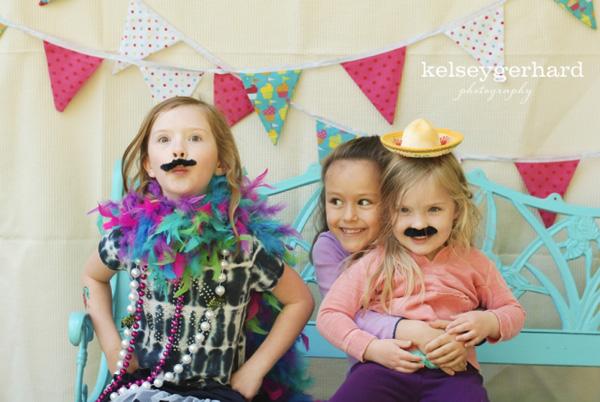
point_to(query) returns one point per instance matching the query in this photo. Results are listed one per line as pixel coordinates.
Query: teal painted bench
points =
(555, 266)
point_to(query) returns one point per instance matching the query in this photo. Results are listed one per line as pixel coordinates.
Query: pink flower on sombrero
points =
(421, 140)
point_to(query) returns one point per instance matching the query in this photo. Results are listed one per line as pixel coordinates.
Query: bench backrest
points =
(568, 281)
(552, 270)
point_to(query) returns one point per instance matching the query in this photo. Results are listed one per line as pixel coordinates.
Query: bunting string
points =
(222, 67)
(530, 159)
(471, 157)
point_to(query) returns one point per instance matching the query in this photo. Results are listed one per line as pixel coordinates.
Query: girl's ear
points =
(148, 168)
(221, 169)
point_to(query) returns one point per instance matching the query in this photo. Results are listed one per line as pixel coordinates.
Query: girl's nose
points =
(178, 147)
(419, 222)
(350, 213)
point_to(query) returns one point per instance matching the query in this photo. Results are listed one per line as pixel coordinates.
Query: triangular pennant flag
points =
(68, 71)
(379, 78)
(165, 83)
(544, 178)
(583, 10)
(43, 2)
(144, 33)
(482, 37)
(329, 137)
(230, 98)
(2, 29)
(270, 93)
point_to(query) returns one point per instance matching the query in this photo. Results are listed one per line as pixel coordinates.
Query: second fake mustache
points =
(428, 231)
(177, 162)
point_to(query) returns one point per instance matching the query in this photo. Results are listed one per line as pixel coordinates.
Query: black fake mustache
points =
(428, 231)
(177, 162)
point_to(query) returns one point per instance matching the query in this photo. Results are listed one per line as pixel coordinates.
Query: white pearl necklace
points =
(158, 376)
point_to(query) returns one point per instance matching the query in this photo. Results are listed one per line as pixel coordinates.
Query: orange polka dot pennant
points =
(68, 71)
(545, 178)
(379, 77)
(145, 32)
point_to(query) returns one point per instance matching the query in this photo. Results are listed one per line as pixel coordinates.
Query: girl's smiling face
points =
(182, 133)
(352, 202)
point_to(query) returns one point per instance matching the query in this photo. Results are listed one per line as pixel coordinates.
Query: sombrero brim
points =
(449, 139)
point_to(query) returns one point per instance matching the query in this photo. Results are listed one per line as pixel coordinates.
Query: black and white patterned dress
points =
(223, 350)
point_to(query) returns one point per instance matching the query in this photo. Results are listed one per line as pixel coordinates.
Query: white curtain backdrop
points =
(54, 167)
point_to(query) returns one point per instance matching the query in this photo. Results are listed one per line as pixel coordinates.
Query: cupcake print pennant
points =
(330, 137)
(270, 93)
(583, 10)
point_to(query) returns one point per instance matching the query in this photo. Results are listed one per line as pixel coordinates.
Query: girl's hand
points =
(113, 358)
(391, 353)
(439, 324)
(447, 353)
(246, 381)
(474, 326)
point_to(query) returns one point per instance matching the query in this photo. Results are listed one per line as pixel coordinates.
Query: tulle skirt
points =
(190, 392)
(157, 395)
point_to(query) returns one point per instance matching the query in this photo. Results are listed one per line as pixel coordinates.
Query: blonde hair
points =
(401, 175)
(136, 152)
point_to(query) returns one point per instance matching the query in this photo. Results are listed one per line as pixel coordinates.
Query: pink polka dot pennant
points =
(482, 37)
(379, 78)
(544, 178)
(165, 83)
(144, 33)
(68, 71)
(230, 98)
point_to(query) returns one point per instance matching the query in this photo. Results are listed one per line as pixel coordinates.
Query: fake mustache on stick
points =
(428, 231)
(177, 162)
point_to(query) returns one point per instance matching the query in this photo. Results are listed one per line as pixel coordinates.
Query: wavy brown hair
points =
(402, 175)
(367, 148)
(136, 152)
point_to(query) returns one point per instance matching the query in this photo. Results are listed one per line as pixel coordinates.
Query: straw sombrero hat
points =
(420, 140)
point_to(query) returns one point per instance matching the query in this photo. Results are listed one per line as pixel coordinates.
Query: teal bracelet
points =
(424, 359)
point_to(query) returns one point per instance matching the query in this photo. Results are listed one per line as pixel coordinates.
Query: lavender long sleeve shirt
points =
(328, 257)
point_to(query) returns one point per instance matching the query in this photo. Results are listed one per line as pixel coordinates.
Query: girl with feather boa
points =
(215, 310)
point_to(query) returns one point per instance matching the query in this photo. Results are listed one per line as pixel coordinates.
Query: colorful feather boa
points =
(173, 237)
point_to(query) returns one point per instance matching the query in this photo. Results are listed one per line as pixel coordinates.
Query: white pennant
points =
(166, 83)
(145, 32)
(482, 37)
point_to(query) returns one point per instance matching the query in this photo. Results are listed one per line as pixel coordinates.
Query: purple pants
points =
(368, 382)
